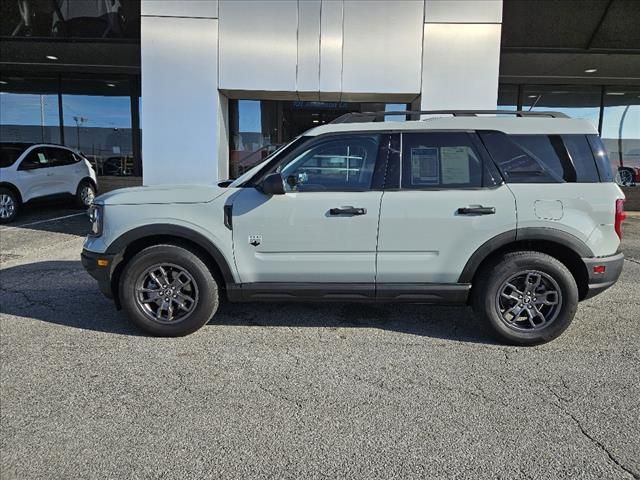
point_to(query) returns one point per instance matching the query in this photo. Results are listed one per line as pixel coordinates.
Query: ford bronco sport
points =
(516, 215)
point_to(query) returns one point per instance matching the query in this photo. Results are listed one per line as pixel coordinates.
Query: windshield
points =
(9, 154)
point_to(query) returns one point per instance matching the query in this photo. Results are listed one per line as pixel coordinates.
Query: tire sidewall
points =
(513, 264)
(206, 284)
(81, 185)
(6, 191)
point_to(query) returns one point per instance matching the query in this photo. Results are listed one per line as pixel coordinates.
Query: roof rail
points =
(379, 116)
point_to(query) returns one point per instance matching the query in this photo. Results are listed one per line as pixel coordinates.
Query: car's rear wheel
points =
(167, 290)
(85, 194)
(526, 297)
(8, 205)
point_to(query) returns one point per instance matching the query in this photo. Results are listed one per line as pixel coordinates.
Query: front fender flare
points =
(166, 229)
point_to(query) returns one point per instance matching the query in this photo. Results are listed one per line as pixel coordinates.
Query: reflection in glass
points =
(621, 131)
(29, 110)
(575, 101)
(97, 19)
(508, 97)
(97, 121)
(258, 127)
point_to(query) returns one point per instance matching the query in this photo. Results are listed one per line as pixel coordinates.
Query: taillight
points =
(620, 216)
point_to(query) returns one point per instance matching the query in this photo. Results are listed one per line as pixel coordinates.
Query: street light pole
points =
(79, 121)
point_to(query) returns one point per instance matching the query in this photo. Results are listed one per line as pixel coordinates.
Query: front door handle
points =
(476, 210)
(348, 211)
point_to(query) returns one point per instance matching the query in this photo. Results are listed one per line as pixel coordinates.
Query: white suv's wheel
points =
(85, 194)
(8, 205)
(168, 291)
(526, 297)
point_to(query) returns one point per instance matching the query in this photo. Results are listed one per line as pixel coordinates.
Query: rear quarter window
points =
(543, 158)
(601, 158)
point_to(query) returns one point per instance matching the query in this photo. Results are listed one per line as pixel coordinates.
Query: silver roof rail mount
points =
(353, 117)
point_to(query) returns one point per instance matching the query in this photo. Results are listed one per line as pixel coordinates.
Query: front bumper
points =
(101, 273)
(599, 282)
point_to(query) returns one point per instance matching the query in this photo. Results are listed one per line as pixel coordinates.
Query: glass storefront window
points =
(508, 97)
(97, 121)
(70, 19)
(258, 127)
(575, 101)
(29, 110)
(621, 128)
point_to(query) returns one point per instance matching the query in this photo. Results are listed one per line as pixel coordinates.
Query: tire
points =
(137, 284)
(9, 205)
(85, 194)
(543, 315)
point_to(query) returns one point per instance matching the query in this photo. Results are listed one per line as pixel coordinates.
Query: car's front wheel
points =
(8, 205)
(526, 297)
(167, 290)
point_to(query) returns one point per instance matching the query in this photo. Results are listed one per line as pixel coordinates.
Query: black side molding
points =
(433, 293)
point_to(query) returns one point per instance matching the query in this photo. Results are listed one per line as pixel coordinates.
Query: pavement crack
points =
(593, 440)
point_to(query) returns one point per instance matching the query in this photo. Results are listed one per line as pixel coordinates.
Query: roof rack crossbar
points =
(373, 116)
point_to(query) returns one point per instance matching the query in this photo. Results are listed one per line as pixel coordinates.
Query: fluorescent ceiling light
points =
(2, 82)
(533, 96)
(51, 57)
(591, 70)
(111, 84)
(316, 121)
(615, 93)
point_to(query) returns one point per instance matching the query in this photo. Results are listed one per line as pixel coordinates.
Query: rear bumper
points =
(599, 282)
(101, 273)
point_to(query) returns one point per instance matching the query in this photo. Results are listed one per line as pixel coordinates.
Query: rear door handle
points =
(348, 211)
(476, 210)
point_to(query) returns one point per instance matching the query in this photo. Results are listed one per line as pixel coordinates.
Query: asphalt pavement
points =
(302, 391)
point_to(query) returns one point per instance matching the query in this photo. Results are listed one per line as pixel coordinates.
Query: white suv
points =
(516, 216)
(42, 171)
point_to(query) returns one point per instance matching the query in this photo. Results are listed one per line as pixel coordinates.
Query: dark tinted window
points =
(37, 158)
(60, 157)
(601, 157)
(581, 157)
(516, 163)
(440, 160)
(344, 163)
(9, 154)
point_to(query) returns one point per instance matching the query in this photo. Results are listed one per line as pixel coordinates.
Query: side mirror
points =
(272, 185)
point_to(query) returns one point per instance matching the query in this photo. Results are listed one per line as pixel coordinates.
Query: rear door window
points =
(60, 157)
(440, 160)
(581, 157)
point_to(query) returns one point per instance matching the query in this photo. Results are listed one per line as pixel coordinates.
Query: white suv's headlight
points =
(96, 217)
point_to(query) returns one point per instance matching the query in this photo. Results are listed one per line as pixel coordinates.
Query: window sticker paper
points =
(425, 166)
(455, 165)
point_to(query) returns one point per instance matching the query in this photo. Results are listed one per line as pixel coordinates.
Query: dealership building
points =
(194, 91)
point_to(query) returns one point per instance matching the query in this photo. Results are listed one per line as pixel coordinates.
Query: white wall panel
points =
(382, 46)
(258, 45)
(180, 100)
(309, 46)
(463, 11)
(180, 8)
(460, 65)
(331, 46)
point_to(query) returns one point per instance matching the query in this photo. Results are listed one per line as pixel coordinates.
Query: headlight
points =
(95, 217)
